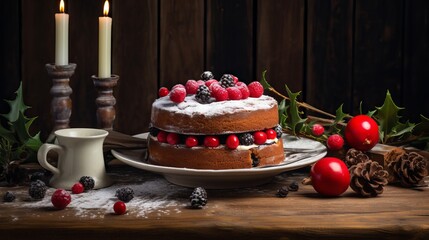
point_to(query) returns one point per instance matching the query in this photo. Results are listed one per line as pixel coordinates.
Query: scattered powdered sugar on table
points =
(154, 195)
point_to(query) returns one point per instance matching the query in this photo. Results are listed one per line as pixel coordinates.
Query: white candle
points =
(61, 37)
(104, 43)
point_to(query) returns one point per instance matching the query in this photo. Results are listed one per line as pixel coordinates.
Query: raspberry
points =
(162, 92)
(201, 82)
(173, 138)
(178, 86)
(260, 137)
(234, 78)
(247, 139)
(119, 207)
(317, 130)
(87, 182)
(203, 94)
(220, 93)
(232, 141)
(210, 82)
(207, 75)
(125, 194)
(37, 189)
(245, 93)
(211, 141)
(191, 87)
(178, 94)
(60, 199)
(227, 81)
(214, 86)
(256, 90)
(271, 133)
(191, 141)
(162, 136)
(234, 93)
(77, 188)
(335, 142)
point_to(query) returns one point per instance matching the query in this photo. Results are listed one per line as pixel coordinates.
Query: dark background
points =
(334, 51)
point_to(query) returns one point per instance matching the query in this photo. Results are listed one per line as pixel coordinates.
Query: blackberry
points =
(153, 131)
(87, 182)
(246, 139)
(227, 81)
(278, 130)
(282, 192)
(9, 197)
(207, 75)
(203, 94)
(125, 194)
(37, 189)
(198, 198)
(293, 187)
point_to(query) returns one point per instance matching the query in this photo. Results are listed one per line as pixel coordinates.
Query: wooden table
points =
(250, 213)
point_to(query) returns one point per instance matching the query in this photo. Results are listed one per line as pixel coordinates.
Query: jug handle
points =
(43, 152)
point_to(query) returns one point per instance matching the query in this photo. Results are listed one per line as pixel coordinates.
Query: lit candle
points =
(104, 42)
(61, 37)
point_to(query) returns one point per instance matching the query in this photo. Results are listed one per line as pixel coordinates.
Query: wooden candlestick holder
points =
(105, 101)
(61, 104)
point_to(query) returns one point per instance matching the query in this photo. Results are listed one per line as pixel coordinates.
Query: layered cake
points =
(212, 124)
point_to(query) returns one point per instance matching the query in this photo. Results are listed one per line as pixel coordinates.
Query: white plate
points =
(311, 152)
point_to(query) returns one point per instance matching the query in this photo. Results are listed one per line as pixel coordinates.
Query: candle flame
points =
(106, 8)
(62, 6)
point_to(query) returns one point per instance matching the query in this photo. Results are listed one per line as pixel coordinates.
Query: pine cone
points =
(354, 157)
(408, 168)
(368, 178)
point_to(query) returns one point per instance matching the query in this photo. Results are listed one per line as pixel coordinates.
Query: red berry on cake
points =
(219, 93)
(77, 188)
(191, 86)
(214, 86)
(211, 141)
(234, 93)
(245, 93)
(191, 141)
(210, 82)
(119, 207)
(178, 86)
(173, 138)
(232, 141)
(162, 92)
(201, 82)
(256, 90)
(178, 94)
(317, 130)
(335, 142)
(234, 78)
(271, 133)
(162, 136)
(60, 199)
(260, 137)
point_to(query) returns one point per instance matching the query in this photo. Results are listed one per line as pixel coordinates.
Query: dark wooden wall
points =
(334, 51)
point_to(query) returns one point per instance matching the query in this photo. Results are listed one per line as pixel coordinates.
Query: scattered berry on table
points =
(211, 141)
(317, 130)
(120, 208)
(210, 82)
(178, 94)
(232, 141)
(271, 133)
(87, 182)
(191, 87)
(203, 94)
(191, 141)
(173, 138)
(293, 187)
(362, 133)
(246, 139)
(60, 199)
(162, 136)
(198, 198)
(125, 194)
(279, 131)
(9, 197)
(234, 93)
(245, 93)
(77, 188)
(256, 90)
(207, 75)
(162, 92)
(220, 93)
(282, 192)
(335, 142)
(37, 189)
(260, 137)
(226, 81)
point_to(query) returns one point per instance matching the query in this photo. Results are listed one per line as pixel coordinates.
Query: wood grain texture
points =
(249, 213)
(135, 33)
(329, 54)
(377, 52)
(280, 43)
(230, 38)
(181, 41)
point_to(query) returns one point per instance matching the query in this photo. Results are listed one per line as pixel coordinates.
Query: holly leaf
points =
(16, 106)
(264, 81)
(34, 143)
(295, 122)
(387, 117)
